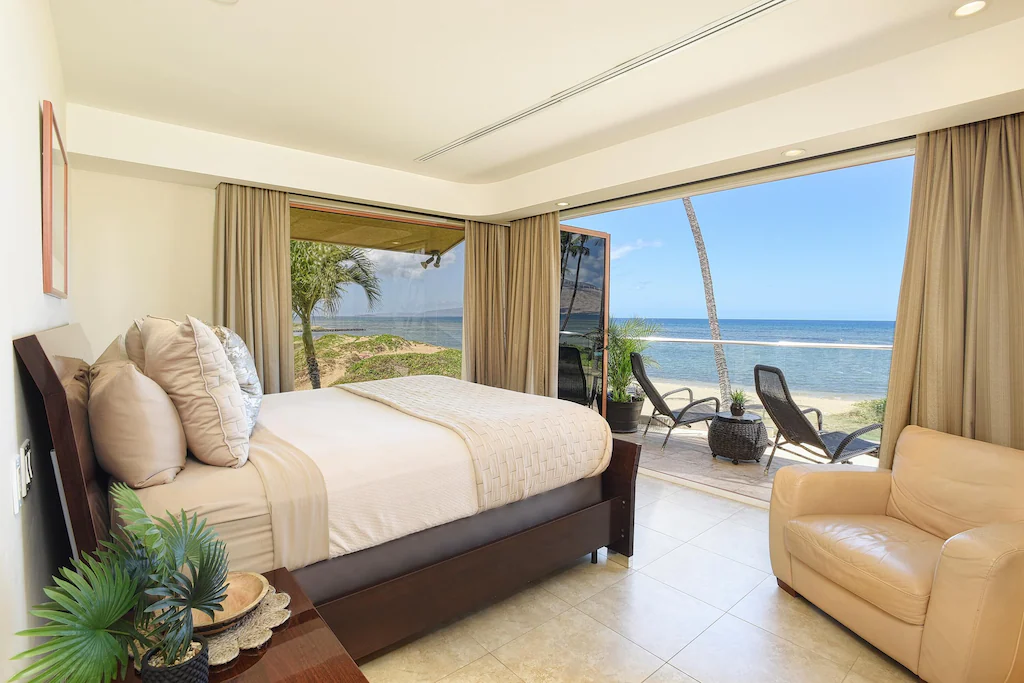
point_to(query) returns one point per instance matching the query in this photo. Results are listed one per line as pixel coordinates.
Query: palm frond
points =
(135, 520)
(89, 634)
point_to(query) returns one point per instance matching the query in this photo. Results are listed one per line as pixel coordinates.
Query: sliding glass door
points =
(583, 317)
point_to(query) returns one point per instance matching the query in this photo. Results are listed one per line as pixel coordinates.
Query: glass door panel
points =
(583, 317)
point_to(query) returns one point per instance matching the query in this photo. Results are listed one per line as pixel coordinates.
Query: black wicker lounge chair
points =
(694, 411)
(792, 425)
(572, 382)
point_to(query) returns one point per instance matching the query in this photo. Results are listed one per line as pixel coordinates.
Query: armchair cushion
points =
(882, 560)
(948, 484)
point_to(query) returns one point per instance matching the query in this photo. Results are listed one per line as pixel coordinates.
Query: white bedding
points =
(376, 491)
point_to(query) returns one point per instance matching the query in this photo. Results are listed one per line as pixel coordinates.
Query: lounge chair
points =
(792, 425)
(695, 411)
(572, 382)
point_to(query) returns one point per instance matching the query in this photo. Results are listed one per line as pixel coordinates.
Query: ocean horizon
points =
(839, 373)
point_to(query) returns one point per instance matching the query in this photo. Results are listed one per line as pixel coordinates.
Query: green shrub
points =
(447, 363)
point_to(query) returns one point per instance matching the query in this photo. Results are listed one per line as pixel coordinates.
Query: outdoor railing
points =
(745, 342)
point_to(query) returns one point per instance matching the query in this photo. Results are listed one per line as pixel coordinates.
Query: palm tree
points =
(709, 298)
(579, 250)
(320, 275)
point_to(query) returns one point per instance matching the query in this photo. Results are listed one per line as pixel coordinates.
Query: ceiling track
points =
(703, 33)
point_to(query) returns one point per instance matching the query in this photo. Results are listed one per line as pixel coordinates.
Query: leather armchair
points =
(926, 562)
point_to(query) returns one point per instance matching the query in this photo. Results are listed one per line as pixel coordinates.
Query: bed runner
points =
(297, 498)
(521, 444)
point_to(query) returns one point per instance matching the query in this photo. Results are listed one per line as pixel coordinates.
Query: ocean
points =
(838, 373)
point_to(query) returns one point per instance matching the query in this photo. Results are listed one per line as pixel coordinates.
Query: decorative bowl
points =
(245, 591)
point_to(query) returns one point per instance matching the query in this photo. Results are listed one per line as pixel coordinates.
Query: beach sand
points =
(827, 404)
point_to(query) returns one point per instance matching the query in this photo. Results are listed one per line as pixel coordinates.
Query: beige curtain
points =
(531, 363)
(253, 278)
(958, 353)
(485, 304)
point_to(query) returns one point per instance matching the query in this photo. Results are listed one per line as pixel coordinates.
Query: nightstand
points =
(302, 649)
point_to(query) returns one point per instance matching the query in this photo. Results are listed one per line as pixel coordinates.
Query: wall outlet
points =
(25, 457)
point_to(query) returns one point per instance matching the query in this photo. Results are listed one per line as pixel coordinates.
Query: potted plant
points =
(135, 594)
(625, 399)
(739, 402)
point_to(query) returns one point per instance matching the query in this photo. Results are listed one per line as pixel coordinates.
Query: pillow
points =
(135, 429)
(245, 372)
(189, 363)
(74, 377)
(133, 345)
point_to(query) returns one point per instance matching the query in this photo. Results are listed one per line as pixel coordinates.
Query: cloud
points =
(619, 252)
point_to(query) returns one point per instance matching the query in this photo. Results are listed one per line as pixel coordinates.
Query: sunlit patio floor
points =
(687, 456)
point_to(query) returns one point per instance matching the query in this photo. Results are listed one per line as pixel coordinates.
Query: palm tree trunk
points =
(307, 345)
(709, 298)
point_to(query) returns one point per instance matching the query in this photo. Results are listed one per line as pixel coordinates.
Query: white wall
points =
(142, 247)
(30, 546)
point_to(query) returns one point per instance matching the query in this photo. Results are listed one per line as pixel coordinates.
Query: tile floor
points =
(698, 604)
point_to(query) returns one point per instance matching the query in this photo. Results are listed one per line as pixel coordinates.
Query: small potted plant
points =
(136, 594)
(739, 402)
(625, 398)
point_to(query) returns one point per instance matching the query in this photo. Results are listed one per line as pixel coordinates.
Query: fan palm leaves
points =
(626, 337)
(320, 275)
(140, 588)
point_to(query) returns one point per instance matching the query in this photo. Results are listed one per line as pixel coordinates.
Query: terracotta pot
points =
(623, 418)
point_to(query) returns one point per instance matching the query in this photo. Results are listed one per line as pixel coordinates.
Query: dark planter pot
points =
(195, 670)
(623, 418)
(737, 410)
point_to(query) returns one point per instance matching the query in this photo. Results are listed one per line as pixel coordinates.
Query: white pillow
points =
(245, 371)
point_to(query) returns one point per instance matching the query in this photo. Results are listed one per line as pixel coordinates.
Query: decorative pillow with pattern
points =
(245, 371)
(187, 360)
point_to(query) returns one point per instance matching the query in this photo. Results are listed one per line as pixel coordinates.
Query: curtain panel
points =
(485, 304)
(531, 360)
(510, 323)
(958, 351)
(253, 278)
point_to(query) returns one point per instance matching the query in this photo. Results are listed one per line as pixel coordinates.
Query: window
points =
(374, 297)
(805, 274)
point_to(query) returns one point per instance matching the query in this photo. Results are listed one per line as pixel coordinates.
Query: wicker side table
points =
(737, 437)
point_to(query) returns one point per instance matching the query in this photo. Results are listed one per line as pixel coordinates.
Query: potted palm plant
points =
(625, 398)
(134, 595)
(739, 402)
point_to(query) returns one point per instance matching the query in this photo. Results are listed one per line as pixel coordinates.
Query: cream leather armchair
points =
(926, 562)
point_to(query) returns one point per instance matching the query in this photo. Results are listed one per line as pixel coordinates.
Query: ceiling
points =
(385, 82)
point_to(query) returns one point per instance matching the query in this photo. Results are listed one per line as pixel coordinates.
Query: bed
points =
(409, 523)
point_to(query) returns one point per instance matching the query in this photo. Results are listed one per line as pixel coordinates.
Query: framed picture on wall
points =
(55, 207)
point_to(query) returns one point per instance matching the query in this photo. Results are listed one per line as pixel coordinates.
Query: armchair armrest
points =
(853, 435)
(973, 628)
(821, 490)
(821, 419)
(676, 391)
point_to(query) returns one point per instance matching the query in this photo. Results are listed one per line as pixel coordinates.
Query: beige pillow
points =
(135, 429)
(188, 361)
(133, 345)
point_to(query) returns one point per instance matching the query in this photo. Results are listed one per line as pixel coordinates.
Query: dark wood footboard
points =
(376, 618)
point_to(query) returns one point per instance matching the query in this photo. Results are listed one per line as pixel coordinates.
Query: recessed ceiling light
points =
(795, 152)
(562, 204)
(969, 8)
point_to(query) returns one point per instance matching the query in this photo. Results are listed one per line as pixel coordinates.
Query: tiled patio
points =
(687, 456)
(698, 605)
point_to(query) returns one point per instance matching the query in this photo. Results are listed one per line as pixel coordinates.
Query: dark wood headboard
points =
(81, 481)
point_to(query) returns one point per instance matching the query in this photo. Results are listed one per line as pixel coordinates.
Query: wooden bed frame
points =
(376, 618)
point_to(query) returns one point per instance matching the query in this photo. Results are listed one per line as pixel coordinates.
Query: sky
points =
(828, 246)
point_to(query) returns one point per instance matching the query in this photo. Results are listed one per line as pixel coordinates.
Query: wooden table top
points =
(302, 649)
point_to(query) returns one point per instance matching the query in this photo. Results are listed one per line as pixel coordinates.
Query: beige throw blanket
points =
(521, 444)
